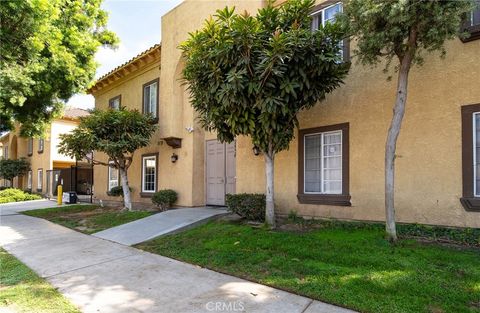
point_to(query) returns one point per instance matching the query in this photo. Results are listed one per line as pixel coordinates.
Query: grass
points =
(88, 219)
(21, 290)
(354, 267)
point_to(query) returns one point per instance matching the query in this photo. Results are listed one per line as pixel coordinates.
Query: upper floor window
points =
(472, 23)
(115, 102)
(150, 98)
(30, 146)
(41, 145)
(474, 18)
(5, 152)
(328, 15)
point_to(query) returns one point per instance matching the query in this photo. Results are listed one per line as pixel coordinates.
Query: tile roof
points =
(74, 113)
(124, 65)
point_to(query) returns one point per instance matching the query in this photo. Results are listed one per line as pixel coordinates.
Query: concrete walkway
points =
(102, 276)
(159, 224)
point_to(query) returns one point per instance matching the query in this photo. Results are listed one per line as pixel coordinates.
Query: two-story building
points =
(335, 165)
(42, 153)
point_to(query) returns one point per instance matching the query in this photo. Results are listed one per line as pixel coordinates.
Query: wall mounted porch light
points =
(174, 158)
(256, 150)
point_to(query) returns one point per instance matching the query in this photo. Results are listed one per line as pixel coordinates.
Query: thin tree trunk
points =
(391, 146)
(270, 205)
(127, 199)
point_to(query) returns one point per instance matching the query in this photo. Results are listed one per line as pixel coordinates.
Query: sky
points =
(138, 25)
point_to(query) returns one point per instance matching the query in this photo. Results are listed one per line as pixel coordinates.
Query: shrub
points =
(117, 191)
(248, 205)
(16, 195)
(164, 198)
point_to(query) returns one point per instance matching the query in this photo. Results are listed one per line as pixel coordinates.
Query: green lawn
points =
(88, 218)
(353, 267)
(21, 290)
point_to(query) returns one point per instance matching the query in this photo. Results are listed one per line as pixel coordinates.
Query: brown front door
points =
(220, 171)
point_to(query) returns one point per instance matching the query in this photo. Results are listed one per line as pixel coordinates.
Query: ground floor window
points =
(324, 165)
(113, 177)
(149, 173)
(40, 180)
(29, 180)
(471, 157)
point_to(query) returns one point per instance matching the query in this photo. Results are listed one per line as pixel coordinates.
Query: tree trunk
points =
(270, 205)
(127, 199)
(391, 145)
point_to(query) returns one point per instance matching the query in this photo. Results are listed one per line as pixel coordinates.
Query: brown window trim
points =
(327, 199)
(43, 148)
(149, 194)
(119, 97)
(468, 200)
(156, 80)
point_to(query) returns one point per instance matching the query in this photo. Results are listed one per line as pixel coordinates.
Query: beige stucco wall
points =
(186, 176)
(429, 169)
(18, 148)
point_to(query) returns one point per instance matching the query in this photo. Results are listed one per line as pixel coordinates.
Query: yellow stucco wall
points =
(429, 174)
(186, 176)
(428, 167)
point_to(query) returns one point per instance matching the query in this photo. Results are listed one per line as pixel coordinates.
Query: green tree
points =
(117, 133)
(401, 32)
(252, 75)
(47, 54)
(9, 168)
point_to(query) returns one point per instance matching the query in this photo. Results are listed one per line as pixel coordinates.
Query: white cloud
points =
(82, 101)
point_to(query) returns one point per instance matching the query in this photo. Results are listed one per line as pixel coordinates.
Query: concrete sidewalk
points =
(159, 224)
(102, 276)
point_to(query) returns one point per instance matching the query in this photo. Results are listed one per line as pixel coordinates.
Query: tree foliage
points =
(47, 55)
(9, 168)
(251, 75)
(382, 28)
(117, 133)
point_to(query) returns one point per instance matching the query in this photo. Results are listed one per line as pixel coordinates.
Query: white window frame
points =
(5, 152)
(321, 14)
(322, 187)
(156, 106)
(144, 159)
(40, 179)
(29, 180)
(116, 182)
(474, 129)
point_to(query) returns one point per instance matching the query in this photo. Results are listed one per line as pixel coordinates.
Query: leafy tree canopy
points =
(9, 169)
(117, 133)
(382, 28)
(47, 55)
(251, 75)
